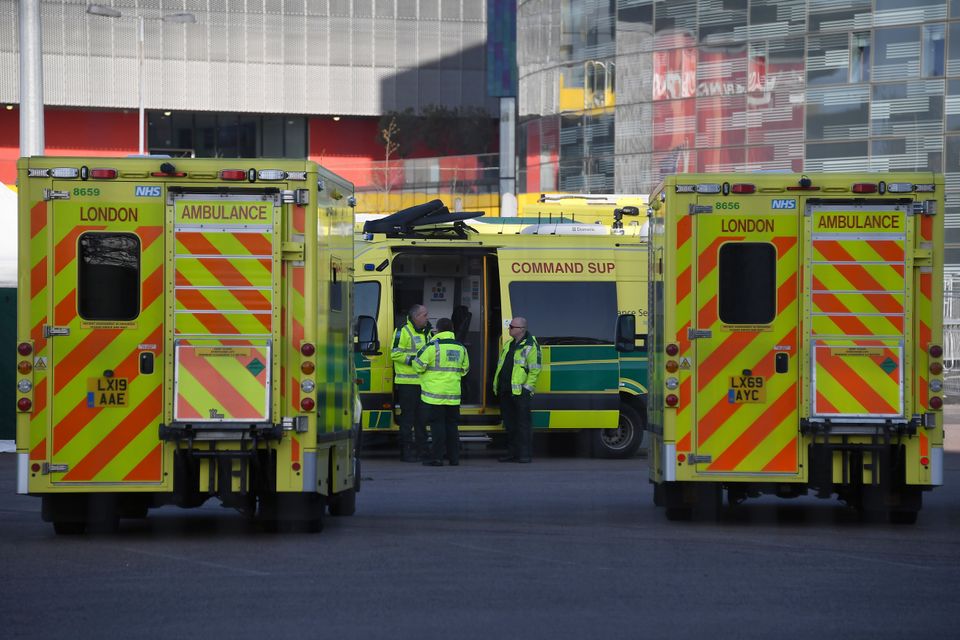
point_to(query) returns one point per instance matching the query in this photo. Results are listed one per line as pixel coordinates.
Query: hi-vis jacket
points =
(407, 341)
(441, 363)
(526, 365)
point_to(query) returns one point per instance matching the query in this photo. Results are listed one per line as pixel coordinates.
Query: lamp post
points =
(110, 12)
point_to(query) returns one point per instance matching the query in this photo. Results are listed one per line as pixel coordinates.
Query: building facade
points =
(250, 78)
(615, 94)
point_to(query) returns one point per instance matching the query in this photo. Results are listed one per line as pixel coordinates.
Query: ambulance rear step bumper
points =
(180, 431)
(885, 429)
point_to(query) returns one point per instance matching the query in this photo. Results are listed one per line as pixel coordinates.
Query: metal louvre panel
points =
(382, 93)
(340, 41)
(362, 42)
(339, 89)
(384, 43)
(408, 44)
(362, 99)
(318, 89)
(428, 40)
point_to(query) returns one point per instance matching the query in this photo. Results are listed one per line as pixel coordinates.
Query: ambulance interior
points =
(463, 286)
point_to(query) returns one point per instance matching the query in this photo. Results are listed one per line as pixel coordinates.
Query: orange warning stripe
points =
(257, 244)
(889, 250)
(926, 228)
(38, 218)
(39, 398)
(39, 452)
(185, 409)
(843, 373)
(150, 469)
(38, 277)
(294, 449)
(785, 461)
(924, 443)
(754, 435)
(684, 396)
(683, 285)
(829, 303)
(220, 268)
(707, 315)
(299, 219)
(142, 417)
(684, 230)
(824, 405)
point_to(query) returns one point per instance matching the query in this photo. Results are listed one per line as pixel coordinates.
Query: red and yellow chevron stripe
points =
(222, 383)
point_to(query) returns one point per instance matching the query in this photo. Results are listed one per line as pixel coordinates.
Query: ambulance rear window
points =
(108, 276)
(748, 283)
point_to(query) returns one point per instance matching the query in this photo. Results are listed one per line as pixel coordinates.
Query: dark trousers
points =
(444, 423)
(412, 421)
(517, 423)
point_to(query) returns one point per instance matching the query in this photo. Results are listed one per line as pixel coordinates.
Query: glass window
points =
(934, 47)
(108, 276)
(556, 313)
(896, 53)
(860, 57)
(741, 263)
(366, 299)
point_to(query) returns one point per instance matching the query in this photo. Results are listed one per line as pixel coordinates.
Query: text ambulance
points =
(580, 286)
(183, 333)
(796, 339)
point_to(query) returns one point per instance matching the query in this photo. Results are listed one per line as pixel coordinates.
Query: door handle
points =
(146, 362)
(782, 362)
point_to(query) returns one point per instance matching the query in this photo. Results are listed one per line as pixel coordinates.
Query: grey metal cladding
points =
(350, 57)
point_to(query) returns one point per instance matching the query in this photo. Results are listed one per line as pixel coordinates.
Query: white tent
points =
(8, 236)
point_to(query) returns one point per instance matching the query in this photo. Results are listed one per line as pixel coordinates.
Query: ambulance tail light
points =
(671, 400)
(308, 367)
(307, 349)
(708, 188)
(743, 188)
(25, 404)
(307, 404)
(935, 351)
(24, 348)
(103, 174)
(936, 368)
(64, 172)
(672, 349)
(864, 187)
(672, 366)
(233, 174)
(24, 367)
(936, 402)
(271, 174)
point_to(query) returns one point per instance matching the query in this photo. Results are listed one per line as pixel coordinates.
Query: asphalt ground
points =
(565, 547)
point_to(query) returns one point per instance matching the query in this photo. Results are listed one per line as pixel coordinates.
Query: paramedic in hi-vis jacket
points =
(442, 363)
(407, 341)
(518, 368)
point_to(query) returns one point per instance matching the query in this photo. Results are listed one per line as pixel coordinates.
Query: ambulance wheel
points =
(624, 440)
(344, 503)
(69, 528)
(899, 516)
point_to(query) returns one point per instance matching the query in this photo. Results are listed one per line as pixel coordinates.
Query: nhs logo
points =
(786, 203)
(143, 191)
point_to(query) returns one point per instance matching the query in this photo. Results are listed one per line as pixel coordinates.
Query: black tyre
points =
(623, 441)
(344, 503)
(62, 528)
(899, 516)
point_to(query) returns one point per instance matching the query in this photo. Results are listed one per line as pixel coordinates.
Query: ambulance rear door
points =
(105, 328)
(745, 335)
(226, 307)
(857, 297)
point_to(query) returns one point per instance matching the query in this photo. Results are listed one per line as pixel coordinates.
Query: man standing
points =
(518, 368)
(407, 341)
(442, 363)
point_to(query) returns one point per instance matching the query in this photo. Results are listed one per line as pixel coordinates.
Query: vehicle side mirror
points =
(367, 341)
(626, 333)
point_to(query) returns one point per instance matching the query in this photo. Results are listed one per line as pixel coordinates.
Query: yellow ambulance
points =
(580, 286)
(796, 339)
(183, 334)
